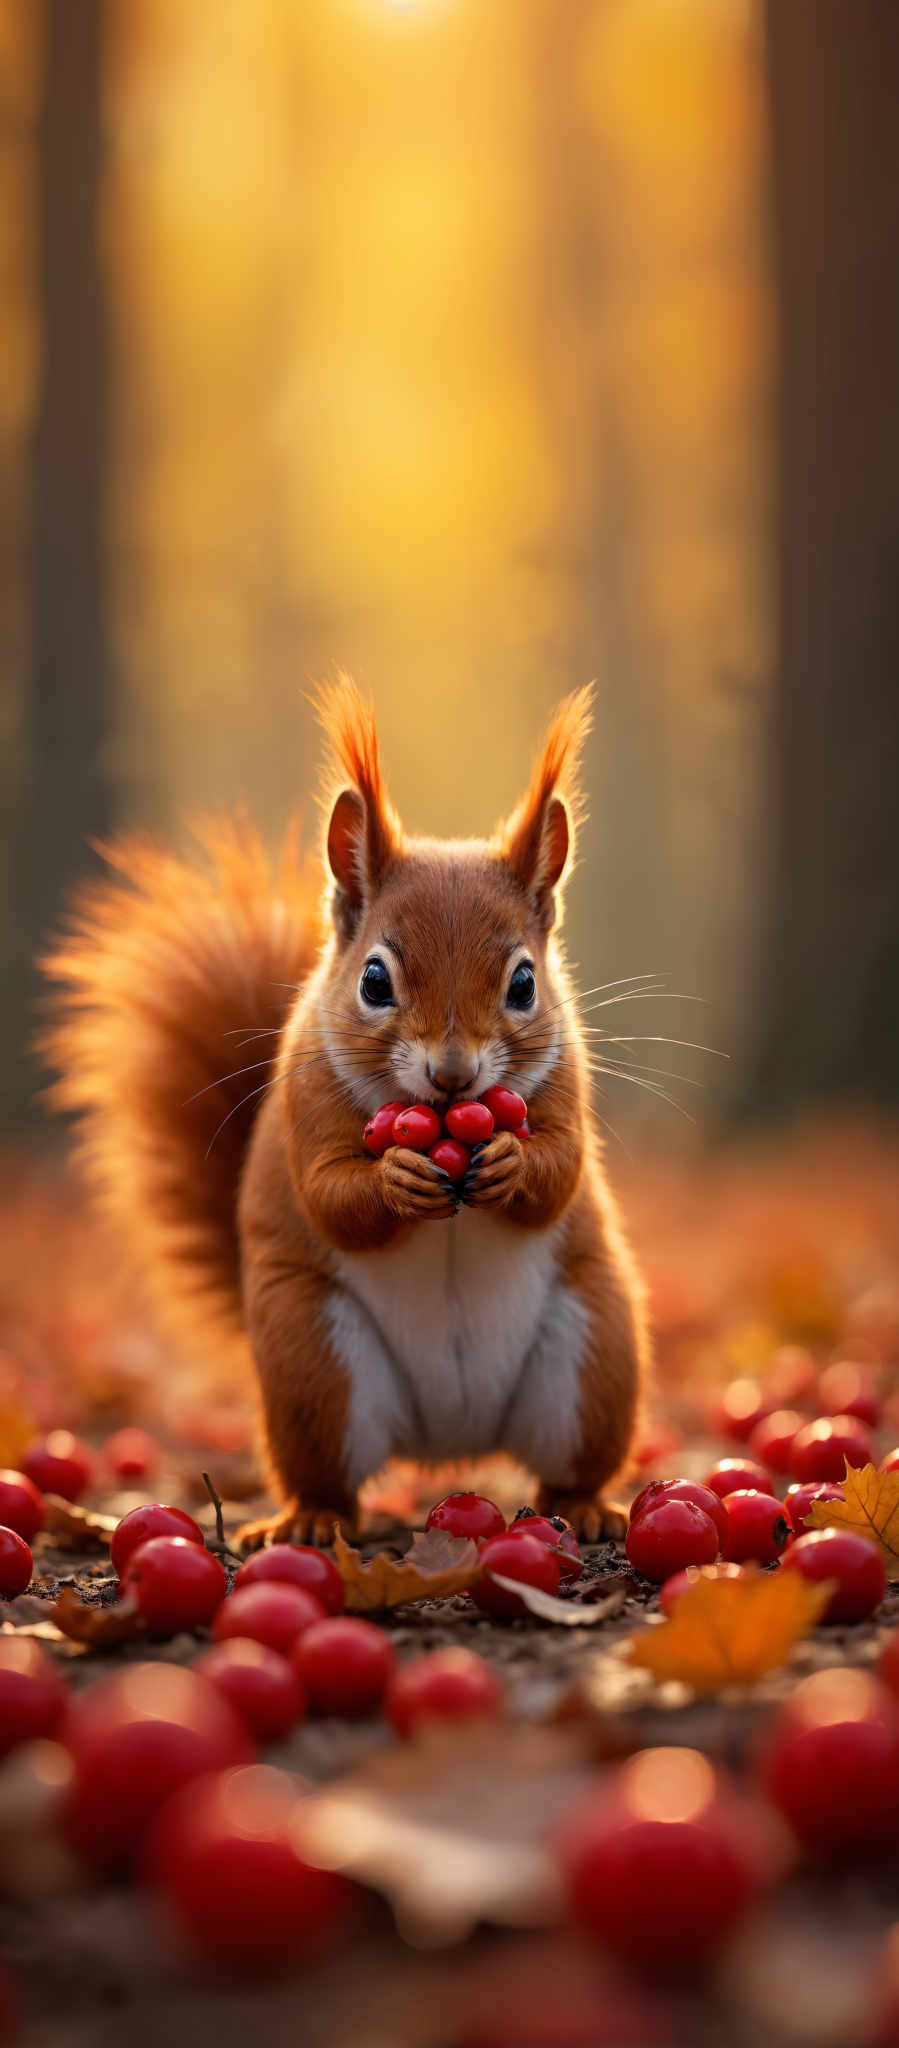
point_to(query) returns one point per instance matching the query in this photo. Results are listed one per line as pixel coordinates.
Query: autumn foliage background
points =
(481, 351)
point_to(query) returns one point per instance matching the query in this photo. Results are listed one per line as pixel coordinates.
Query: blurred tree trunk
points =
(65, 799)
(831, 1019)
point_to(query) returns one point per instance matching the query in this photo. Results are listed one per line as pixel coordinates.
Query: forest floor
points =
(463, 1944)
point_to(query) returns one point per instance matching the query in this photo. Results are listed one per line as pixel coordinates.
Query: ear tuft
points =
(536, 841)
(364, 833)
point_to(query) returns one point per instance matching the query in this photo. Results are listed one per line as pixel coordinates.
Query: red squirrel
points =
(384, 1317)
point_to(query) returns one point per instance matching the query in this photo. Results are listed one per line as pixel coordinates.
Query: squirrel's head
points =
(443, 977)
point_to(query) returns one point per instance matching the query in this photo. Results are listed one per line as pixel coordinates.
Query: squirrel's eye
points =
(376, 987)
(522, 990)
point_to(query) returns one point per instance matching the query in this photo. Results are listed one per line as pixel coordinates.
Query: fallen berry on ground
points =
(444, 1685)
(703, 1497)
(665, 1538)
(271, 1611)
(226, 1855)
(345, 1664)
(855, 1566)
(733, 1475)
(177, 1584)
(16, 1564)
(656, 1863)
(757, 1527)
(21, 1505)
(260, 1684)
(830, 1764)
(132, 1453)
(467, 1514)
(142, 1524)
(521, 1557)
(823, 1449)
(59, 1463)
(136, 1737)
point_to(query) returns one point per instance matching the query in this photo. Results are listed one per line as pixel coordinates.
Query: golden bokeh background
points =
(439, 340)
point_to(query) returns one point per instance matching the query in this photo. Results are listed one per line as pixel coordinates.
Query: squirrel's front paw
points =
(414, 1188)
(496, 1172)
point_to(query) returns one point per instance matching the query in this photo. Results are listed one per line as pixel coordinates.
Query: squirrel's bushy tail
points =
(174, 978)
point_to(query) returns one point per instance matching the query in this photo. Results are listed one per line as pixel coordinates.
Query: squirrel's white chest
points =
(458, 1341)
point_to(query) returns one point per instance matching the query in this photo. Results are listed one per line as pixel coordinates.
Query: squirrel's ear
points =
(538, 840)
(364, 834)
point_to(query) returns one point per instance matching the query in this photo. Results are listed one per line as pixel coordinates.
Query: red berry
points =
(680, 1583)
(32, 1694)
(452, 1157)
(470, 1122)
(507, 1109)
(515, 1556)
(665, 1538)
(855, 1565)
(269, 1612)
(702, 1497)
(135, 1737)
(656, 1863)
(799, 1500)
(131, 1453)
(59, 1463)
(467, 1514)
(523, 1132)
(849, 1389)
(261, 1685)
(830, 1763)
(772, 1439)
(756, 1527)
(739, 1407)
(142, 1524)
(445, 1685)
(733, 1475)
(891, 1462)
(792, 1376)
(418, 1127)
(21, 1506)
(378, 1135)
(345, 1664)
(16, 1564)
(656, 1440)
(555, 1531)
(823, 1449)
(226, 1854)
(178, 1584)
(296, 1564)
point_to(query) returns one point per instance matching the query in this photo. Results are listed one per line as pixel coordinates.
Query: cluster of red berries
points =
(536, 1550)
(679, 1527)
(447, 1140)
(802, 1422)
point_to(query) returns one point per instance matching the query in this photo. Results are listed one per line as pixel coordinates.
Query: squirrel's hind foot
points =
(298, 1522)
(593, 1519)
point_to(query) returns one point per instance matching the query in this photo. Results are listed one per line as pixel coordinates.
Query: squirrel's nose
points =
(453, 1071)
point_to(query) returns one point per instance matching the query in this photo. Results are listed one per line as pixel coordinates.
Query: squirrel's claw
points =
(298, 1522)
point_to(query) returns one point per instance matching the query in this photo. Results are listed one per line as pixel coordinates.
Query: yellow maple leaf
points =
(730, 1631)
(435, 1564)
(870, 1507)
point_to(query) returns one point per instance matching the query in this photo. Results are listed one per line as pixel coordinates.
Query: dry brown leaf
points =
(97, 1626)
(572, 1614)
(453, 1828)
(435, 1564)
(82, 1527)
(870, 1507)
(730, 1631)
